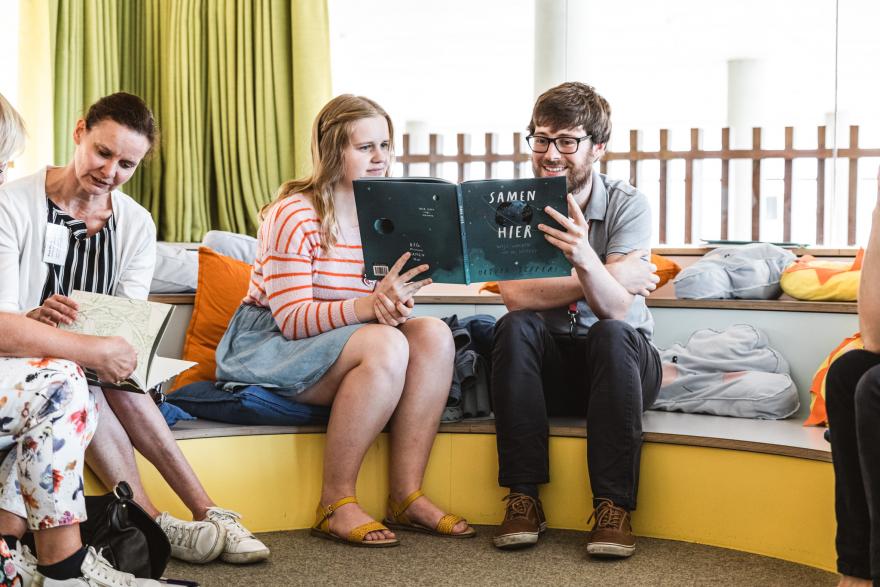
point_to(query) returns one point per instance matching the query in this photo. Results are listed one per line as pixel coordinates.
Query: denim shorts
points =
(254, 352)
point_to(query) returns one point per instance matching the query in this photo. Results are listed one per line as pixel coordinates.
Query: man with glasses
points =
(578, 345)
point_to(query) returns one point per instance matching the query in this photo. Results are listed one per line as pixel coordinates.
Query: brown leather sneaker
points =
(523, 522)
(612, 534)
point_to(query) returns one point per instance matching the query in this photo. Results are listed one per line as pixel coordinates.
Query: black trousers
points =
(852, 398)
(610, 376)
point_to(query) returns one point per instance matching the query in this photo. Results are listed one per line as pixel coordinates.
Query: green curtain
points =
(234, 86)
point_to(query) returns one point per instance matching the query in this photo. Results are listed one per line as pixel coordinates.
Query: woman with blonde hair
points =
(312, 328)
(12, 136)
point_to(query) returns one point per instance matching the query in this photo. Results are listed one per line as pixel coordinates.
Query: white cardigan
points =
(23, 220)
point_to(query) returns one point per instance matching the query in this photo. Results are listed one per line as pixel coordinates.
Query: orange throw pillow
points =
(666, 268)
(223, 283)
(818, 415)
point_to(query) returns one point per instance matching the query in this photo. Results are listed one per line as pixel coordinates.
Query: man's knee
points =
(608, 336)
(513, 326)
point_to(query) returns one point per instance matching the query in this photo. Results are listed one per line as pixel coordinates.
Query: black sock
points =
(69, 568)
(529, 489)
(11, 540)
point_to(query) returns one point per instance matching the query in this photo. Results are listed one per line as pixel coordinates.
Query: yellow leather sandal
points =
(400, 521)
(356, 536)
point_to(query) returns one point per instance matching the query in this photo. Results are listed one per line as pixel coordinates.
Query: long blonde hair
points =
(12, 131)
(331, 134)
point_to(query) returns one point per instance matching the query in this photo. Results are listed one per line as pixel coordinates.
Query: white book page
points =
(164, 369)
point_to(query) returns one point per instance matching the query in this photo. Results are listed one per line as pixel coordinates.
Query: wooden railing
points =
(695, 154)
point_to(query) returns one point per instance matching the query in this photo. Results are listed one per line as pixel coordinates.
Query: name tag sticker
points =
(57, 241)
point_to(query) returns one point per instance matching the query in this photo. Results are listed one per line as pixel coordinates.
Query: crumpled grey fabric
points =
(469, 396)
(732, 372)
(750, 272)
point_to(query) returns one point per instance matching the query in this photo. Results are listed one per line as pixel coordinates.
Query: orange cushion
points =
(666, 270)
(223, 283)
(818, 416)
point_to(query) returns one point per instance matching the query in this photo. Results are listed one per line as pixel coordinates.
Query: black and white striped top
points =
(89, 263)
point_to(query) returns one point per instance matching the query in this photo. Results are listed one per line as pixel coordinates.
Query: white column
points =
(745, 99)
(550, 41)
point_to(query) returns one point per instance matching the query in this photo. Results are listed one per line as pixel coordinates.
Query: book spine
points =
(464, 244)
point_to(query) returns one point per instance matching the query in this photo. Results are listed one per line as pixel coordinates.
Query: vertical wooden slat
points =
(435, 147)
(696, 145)
(491, 151)
(820, 188)
(635, 145)
(787, 181)
(603, 166)
(405, 155)
(756, 184)
(853, 187)
(664, 141)
(725, 183)
(464, 148)
(517, 153)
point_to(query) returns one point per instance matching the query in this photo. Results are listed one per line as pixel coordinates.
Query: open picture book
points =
(139, 322)
(485, 230)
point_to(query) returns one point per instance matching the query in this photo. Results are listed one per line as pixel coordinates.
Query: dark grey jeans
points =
(611, 376)
(852, 399)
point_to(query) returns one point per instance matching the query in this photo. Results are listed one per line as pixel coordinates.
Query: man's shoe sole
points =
(516, 541)
(519, 540)
(610, 550)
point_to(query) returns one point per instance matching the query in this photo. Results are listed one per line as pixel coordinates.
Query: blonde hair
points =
(12, 133)
(331, 134)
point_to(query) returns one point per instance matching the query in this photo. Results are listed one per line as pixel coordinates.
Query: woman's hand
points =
(57, 309)
(574, 241)
(392, 314)
(112, 358)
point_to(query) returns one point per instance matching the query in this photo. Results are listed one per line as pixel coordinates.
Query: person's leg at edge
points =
(417, 417)
(867, 419)
(850, 502)
(363, 387)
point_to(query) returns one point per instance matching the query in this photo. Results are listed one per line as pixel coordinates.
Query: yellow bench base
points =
(765, 504)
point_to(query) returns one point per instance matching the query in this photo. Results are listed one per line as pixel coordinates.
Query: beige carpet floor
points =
(559, 559)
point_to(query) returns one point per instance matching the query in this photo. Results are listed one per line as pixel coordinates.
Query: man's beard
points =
(575, 177)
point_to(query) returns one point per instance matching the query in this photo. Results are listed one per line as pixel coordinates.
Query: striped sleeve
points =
(292, 244)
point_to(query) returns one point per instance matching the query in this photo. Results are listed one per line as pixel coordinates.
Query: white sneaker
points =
(193, 542)
(96, 572)
(241, 545)
(25, 563)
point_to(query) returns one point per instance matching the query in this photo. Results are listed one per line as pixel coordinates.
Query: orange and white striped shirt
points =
(309, 290)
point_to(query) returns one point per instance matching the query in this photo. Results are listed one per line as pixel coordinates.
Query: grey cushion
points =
(745, 272)
(731, 372)
(231, 244)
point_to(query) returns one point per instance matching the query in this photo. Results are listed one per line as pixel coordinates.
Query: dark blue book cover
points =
(484, 230)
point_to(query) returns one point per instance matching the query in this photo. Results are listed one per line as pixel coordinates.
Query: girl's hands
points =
(392, 300)
(574, 241)
(57, 309)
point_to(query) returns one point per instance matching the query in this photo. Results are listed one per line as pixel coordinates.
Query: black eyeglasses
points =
(565, 145)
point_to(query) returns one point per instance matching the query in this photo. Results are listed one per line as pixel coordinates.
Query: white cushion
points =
(177, 270)
(231, 244)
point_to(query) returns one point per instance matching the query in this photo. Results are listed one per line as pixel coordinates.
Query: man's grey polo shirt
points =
(620, 222)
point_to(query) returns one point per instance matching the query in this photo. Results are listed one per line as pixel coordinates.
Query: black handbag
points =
(125, 534)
